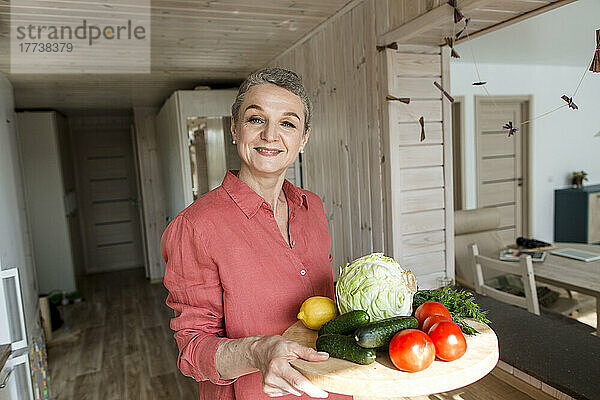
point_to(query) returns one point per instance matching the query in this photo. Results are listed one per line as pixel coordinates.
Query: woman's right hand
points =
(272, 355)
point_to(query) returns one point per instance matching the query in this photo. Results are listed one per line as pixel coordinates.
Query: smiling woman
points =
(243, 258)
(270, 130)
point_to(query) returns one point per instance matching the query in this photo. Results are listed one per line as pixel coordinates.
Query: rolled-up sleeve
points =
(196, 297)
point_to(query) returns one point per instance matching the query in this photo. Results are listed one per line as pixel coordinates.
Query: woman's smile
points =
(268, 152)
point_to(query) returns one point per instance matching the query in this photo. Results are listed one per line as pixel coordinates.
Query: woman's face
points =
(270, 129)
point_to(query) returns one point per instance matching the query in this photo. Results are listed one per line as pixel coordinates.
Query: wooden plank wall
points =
(418, 175)
(342, 161)
(382, 188)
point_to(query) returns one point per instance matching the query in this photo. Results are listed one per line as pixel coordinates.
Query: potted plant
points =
(578, 177)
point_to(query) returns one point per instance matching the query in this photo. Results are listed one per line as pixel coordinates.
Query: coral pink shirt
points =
(231, 274)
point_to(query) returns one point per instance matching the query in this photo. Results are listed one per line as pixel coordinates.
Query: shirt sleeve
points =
(196, 297)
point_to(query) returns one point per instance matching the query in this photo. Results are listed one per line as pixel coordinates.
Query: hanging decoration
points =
(450, 43)
(422, 123)
(595, 67)
(393, 46)
(444, 92)
(459, 33)
(458, 16)
(569, 101)
(405, 100)
(511, 129)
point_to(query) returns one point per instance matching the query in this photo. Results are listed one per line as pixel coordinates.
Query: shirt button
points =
(293, 243)
(302, 272)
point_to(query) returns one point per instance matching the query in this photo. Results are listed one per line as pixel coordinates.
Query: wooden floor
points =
(123, 347)
(117, 344)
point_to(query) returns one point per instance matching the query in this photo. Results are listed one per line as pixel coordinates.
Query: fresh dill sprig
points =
(467, 330)
(460, 303)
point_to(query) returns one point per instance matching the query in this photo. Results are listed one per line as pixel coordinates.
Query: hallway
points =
(120, 347)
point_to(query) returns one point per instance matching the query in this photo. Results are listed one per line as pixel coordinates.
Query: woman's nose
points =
(270, 132)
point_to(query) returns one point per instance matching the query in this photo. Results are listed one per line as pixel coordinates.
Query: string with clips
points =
(569, 101)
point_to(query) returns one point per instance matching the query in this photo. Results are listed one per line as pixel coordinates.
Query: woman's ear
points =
(233, 133)
(305, 139)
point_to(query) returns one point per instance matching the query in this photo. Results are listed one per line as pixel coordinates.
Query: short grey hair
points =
(278, 76)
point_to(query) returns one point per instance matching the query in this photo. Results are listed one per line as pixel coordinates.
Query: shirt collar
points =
(249, 201)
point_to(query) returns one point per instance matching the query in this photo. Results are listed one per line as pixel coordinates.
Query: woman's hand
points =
(272, 355)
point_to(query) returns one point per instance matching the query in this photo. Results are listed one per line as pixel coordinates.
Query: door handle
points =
(519, 181)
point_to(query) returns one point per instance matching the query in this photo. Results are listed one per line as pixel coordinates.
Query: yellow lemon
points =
(317, 310)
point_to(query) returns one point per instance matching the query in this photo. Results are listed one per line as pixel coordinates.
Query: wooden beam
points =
(428, 21)
(518, 18)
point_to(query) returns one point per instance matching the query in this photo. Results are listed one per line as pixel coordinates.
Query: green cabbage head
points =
(376, 284)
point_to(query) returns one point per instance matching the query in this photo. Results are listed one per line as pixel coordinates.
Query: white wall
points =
(15, 245)
(563, 36)
(562, 142)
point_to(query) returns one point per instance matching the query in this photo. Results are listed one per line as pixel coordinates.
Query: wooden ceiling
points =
(218, 42)
(193, 42)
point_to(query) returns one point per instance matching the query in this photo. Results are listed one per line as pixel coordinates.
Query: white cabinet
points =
(15, 378)
(12, 315)
(174, 142)
(43, 138)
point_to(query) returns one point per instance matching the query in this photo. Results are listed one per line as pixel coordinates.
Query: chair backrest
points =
(524, 269)
(475, 226)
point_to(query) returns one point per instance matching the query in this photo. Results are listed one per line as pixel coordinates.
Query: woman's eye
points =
(289, 124)
(255, 120)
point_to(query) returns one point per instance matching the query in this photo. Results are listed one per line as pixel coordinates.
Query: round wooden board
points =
(382, 379)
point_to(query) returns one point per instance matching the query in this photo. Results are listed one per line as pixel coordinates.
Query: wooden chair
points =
(524, 269)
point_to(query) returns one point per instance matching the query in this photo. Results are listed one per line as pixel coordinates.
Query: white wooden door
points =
(501, 163)
(108, 196)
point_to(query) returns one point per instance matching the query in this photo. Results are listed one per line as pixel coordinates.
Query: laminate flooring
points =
(117, 345)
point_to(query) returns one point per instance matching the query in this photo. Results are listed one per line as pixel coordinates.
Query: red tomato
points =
(428, 309)
(411, 350)
(432, 320)
(449, 341)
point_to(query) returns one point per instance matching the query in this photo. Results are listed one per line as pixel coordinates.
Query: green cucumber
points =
(346, 323)
(346, 348)
(380, 333)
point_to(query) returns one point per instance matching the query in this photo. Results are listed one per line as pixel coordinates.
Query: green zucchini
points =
(380, 333)
(346, 348)
(346, 323)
